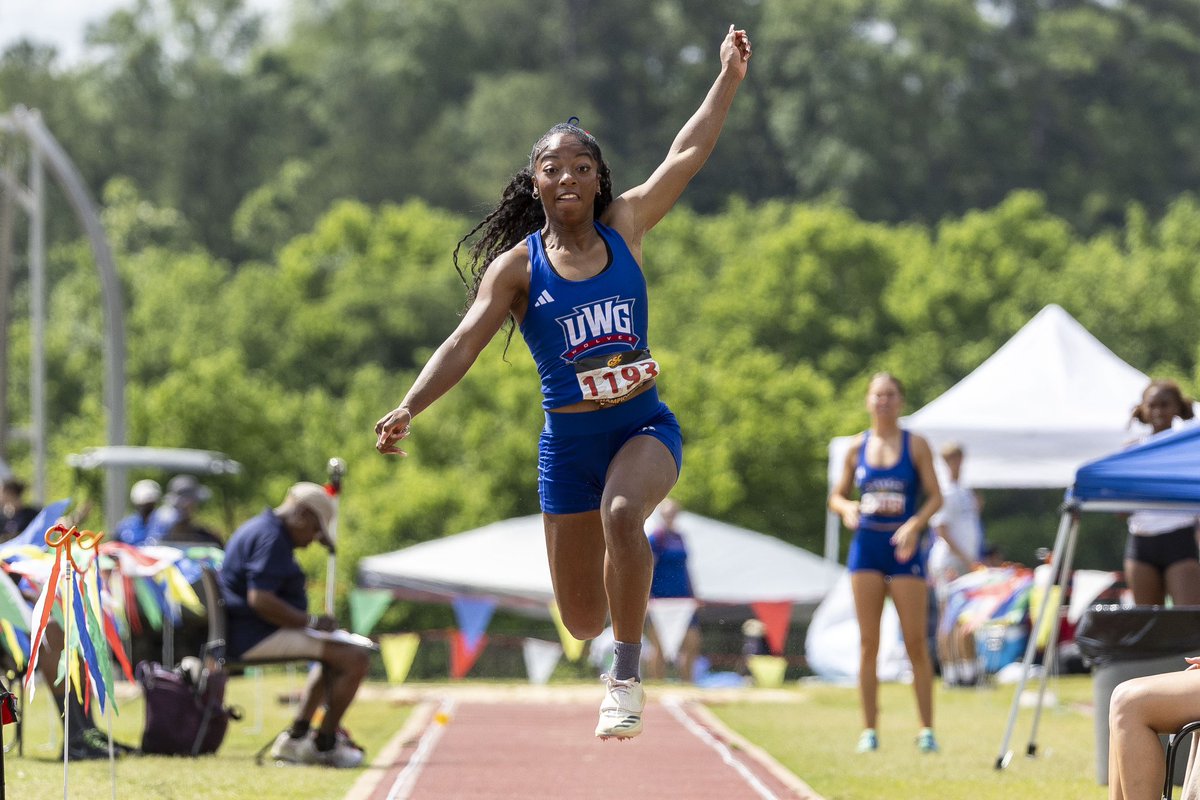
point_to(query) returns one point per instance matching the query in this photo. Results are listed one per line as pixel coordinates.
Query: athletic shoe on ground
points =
(287, 749)
(868, 741)
(621, 711)
(341, 755)
(926, 743)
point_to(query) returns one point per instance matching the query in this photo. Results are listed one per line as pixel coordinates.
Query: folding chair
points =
(1172, 750)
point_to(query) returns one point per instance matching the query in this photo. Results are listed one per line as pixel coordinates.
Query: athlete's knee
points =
(583, 622)
(624, 521)
(584, 628)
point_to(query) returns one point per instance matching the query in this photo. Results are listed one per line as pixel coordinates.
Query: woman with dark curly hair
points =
(560, 258)
(1161, 554)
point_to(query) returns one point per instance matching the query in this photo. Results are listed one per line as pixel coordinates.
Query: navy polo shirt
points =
(260, 555)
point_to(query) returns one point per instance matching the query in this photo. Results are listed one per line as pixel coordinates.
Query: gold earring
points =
(536, 195)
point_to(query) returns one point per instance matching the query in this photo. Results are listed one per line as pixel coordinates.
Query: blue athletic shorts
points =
(575, 450)
(873, 551)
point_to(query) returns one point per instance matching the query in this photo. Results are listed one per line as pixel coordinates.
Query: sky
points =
(62, 22)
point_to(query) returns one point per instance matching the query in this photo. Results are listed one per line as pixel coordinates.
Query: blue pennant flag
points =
(473, 616)
(35, 531)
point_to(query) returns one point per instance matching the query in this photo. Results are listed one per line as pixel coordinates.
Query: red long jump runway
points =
(472, 749)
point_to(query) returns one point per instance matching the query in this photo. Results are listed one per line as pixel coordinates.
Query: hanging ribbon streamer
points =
(79, 549)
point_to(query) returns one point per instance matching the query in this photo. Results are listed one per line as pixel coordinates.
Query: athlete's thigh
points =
(640, 475)
(911, 597)
(575, 549)
(869, 592)
(1183, 582)
(1163, 702)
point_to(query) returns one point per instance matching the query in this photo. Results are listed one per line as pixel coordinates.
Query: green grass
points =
(815, 736)
(812, 732)
(230, 773)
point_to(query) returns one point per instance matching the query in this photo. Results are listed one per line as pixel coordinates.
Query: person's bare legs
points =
(345, 666)
(869, 592)
(1139, 710)
(1146, 583)
(688, 652)
(912, 604)
(656, 664)
(639, 478)
(575, 549)
(1183, 583)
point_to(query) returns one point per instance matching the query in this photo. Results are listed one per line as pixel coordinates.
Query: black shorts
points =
(1163, 549)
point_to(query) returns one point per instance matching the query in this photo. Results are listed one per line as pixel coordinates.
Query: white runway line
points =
(407, 779)
(673, 706)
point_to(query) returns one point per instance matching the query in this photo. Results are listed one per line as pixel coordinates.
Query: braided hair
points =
(519, 213)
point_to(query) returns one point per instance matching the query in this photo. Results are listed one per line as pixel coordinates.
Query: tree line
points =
(901, 111)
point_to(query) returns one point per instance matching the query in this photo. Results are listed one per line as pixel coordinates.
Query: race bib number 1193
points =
(612, 382)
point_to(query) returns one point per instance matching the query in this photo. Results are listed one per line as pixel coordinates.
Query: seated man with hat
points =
(174, 521)
(266, 605)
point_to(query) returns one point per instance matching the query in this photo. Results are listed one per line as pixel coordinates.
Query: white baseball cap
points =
(145, 492)
(313, 497)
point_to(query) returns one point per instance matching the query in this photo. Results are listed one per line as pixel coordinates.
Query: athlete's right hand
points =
(1193, 662)
(850, 515)
(391, 429)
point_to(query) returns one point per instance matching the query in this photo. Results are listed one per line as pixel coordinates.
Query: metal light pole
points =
(46, 152)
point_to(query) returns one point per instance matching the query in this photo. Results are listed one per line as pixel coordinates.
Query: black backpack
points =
(185, 708)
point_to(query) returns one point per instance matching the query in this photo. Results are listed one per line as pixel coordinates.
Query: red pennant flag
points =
(777, 616)
(462, 656)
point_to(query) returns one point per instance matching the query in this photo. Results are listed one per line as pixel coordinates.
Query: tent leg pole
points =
(1005, 754)
(1049, 660)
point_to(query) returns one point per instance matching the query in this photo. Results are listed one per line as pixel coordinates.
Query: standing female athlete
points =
(891, 467)
(561, 258)
(1161, 554)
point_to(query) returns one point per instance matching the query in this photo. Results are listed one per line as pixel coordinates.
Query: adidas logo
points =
(543, 298)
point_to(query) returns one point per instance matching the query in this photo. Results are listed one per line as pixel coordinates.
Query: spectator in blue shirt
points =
(672, 579)
(174, 521)
(135, 528)
(266, 604)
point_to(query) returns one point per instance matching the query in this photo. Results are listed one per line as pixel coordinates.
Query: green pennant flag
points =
(148, 603)
(13, 607)
(366, 607)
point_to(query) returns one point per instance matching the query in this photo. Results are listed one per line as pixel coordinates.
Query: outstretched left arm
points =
(642, 207)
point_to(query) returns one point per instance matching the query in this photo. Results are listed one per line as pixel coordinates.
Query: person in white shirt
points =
(956, 551)
(1161, 553)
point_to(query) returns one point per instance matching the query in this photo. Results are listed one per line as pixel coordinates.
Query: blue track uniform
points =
(589, 341)
(888, 498)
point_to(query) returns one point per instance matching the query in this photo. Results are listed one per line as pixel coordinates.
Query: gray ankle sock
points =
(627, 661)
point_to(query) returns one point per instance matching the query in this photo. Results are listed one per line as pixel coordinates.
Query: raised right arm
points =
(501, 292)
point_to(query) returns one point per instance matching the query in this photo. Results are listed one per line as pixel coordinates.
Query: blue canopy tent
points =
(1162, 473)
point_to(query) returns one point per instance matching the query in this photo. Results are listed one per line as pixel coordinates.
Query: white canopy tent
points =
(1050, 399)
(506, 561)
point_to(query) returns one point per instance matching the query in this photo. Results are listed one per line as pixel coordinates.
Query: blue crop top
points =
(888, 497)
(568, 323)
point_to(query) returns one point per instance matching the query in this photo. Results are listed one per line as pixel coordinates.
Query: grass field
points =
(228, 775)
(810, 728)
(815, 737)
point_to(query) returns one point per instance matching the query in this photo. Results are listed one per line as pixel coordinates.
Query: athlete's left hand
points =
(905, 540)
(735, 51)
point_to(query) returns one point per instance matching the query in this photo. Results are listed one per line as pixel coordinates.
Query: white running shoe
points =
(287, 749)
(621, 711)
(341, 755)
